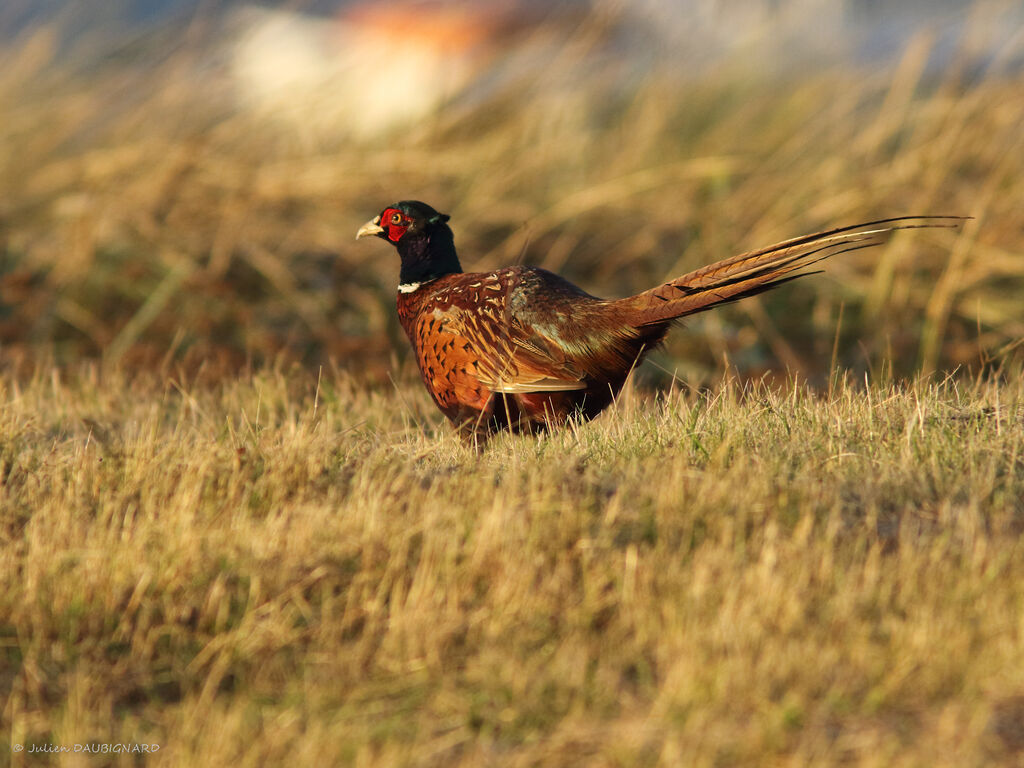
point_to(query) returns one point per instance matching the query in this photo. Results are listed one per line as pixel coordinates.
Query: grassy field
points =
(233, 525)
(285, 570)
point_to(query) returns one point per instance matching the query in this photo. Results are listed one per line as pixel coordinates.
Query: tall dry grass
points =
(144, 218)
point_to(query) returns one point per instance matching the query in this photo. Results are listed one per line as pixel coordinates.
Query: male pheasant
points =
(521, 348)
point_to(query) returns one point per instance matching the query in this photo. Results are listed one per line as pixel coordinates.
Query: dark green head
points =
(408, 217)
(422, 237)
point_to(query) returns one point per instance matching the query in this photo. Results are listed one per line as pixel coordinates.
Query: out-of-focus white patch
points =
(358, 75)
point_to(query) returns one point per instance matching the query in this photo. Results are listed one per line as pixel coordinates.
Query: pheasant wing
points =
(509, 356)
(549, 335)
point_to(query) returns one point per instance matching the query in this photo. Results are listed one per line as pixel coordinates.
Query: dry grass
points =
(142, 218)
(260, 569)
(274, 571)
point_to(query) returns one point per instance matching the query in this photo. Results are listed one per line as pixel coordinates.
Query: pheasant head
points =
(423, 238)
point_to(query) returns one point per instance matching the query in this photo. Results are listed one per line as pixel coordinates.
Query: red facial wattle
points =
(394, 224)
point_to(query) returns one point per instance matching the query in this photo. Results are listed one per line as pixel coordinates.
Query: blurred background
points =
(181, 181)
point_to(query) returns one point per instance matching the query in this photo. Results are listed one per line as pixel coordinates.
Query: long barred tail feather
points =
(757, 271)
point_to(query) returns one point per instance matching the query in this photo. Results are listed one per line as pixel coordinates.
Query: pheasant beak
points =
(372, 227)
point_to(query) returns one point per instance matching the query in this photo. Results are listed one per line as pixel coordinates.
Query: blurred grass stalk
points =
(142, 210)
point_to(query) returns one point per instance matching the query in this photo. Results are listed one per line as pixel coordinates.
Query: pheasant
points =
(523, 349)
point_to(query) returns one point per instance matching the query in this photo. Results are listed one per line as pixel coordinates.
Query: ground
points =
(291, 567)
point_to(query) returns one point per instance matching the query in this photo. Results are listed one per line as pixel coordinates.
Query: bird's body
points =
(522, 348)
(519, 347)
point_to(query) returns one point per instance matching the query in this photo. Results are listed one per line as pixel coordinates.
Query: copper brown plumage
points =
(524, 349)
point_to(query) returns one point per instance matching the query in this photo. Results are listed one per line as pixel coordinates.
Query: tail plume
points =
(757, 271)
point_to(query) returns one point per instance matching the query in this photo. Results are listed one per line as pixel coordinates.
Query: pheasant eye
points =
(396, 218)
